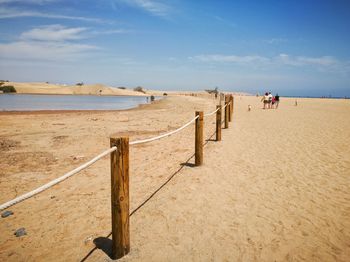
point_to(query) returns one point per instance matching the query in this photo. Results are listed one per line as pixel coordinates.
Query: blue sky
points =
(289, 47)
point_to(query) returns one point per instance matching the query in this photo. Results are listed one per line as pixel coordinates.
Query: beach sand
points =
(276, 188)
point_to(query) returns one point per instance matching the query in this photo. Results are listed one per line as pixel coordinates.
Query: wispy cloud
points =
(27, 1)
(53, 33)
(53, 42)
(275, 40)
(229, 59)
(52, 51)
(109, 32)
(7, 13)
(322, 63)
(155, 7)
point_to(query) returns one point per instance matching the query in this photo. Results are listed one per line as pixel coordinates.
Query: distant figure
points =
(273, 102)
(296, 102)
(277, 100)
(265, 100)
(270, 100)
(249, 108)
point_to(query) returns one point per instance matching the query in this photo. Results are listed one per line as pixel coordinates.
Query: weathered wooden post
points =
(199, 139)
(120, 197)
(227, 100)
(218, 123)
(229, 109)
(232, 104)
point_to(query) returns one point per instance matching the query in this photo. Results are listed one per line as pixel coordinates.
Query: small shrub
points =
(79, 84)
(121, 87)
(152, 98)
(165, 94)
(139, 89)
(7, 89)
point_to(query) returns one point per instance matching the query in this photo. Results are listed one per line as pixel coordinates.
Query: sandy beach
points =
(276, 188)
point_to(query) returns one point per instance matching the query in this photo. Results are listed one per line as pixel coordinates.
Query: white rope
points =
(226, 105)
(87, 164)
(212, 113)
(164, 135)
(56, 181)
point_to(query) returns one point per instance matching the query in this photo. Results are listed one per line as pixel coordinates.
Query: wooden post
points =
(218, 123)
(227, 111)
(120, 197)
(199, 139)
(232, 104)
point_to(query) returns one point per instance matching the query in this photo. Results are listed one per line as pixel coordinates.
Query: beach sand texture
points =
(276, 188)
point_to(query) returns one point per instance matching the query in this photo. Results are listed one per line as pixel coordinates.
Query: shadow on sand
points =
(105, 243)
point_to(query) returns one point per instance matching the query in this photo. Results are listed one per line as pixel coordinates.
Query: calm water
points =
(21, 102)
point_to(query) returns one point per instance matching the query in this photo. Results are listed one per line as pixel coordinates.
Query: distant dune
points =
(97, 89)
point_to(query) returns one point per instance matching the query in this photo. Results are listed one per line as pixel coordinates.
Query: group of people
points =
(270, 101)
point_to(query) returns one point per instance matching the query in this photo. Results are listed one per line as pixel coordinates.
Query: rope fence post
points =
(227, 100)
(232, 104)
(120, 197)
(218, 123)
(199, 139)
(229, 109)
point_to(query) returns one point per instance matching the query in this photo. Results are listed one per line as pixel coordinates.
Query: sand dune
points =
(276, 188)
(46, 88)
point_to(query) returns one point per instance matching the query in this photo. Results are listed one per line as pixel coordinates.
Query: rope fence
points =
(119, 152)
(56, 181)
(212, 113)
(164, 135)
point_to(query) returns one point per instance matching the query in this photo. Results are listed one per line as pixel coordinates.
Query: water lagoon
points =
(24, 102)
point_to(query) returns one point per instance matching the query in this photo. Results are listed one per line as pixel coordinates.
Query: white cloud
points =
(229, 59)
(53, 33)
(109, 32)
(53, 42)
(26, 1)
(35, 50)
(6, 13)
(322, 63)
(154, 7)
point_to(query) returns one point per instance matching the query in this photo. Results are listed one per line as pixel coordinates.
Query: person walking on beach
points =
(273, 102)
(265, 100)
(270, 100)
(277, 100)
